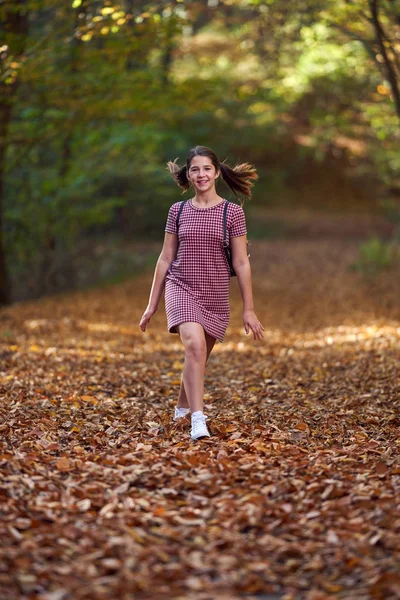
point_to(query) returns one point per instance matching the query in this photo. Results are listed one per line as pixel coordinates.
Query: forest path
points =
(293, 496)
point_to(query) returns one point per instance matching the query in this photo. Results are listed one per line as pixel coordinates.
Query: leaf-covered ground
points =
(296, 494)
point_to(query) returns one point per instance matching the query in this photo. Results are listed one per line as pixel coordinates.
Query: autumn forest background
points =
(97, 96)
(295, 495)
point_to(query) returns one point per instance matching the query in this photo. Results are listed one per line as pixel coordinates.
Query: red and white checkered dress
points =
(197, 282)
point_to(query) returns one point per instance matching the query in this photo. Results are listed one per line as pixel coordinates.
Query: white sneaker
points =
(199, 427)
(180, 412)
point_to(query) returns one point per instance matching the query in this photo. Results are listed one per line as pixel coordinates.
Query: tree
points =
(377, 27)
(14, 22)
(387, 44)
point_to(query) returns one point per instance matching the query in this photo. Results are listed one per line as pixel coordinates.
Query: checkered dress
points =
(197, 282)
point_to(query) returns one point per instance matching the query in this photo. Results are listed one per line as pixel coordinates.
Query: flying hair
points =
(240, 179)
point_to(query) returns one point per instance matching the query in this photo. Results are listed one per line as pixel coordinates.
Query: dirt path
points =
(296, 494)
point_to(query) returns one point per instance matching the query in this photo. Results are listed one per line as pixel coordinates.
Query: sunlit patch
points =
(35, 323)
(379, 335)
(349, 335)
(100, 327)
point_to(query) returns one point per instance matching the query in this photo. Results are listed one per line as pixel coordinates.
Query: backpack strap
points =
(179, 214)
(225, 241)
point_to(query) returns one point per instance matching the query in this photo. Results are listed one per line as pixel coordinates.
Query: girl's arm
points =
(241, 265)
(168, 254)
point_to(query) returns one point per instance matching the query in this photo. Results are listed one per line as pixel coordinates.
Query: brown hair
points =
(239, 179)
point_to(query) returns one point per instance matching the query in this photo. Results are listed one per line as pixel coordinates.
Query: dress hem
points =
(172, 329)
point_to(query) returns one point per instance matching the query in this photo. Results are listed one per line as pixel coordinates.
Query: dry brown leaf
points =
(63, 464)
(293, 495)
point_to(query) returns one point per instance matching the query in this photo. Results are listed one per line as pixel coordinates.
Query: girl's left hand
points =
(251, 322)
(145, 320)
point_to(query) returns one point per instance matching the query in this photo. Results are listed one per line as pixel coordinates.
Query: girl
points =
(196, 272)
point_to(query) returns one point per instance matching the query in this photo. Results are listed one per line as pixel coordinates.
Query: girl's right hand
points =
(145, 320)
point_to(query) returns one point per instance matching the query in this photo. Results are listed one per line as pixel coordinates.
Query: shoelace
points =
(198, 423)
(182, 411)
(199, 420)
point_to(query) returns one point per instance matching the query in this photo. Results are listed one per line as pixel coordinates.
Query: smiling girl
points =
(196, 273)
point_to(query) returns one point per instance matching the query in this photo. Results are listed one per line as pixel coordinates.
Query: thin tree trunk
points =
(5, 115)
(48, 268)
(166, 60)
(390, 70)
(135, 57)
(202, 15)
(14, 23)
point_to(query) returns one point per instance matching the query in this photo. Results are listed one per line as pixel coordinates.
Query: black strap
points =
(179, 214)
(225, 211)
(227, 249)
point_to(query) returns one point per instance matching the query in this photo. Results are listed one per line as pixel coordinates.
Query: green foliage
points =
(375, 255)
(107, 95)
(392, 210)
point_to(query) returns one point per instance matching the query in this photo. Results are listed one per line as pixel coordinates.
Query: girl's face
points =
(202, 173)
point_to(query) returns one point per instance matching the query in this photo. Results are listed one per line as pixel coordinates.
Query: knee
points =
(196, 348)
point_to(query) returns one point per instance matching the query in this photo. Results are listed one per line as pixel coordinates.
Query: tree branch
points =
(380, 38)
(366, 43)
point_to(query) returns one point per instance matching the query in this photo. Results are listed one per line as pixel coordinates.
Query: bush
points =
(375, 255)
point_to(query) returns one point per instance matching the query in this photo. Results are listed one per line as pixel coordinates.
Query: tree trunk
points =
(48, 268)
(166, 59)
(135, 57)
(14, 23)
(201, 15)
(5, 115)
(390, 70)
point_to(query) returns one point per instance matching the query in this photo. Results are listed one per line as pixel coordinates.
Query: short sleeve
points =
(238, 222)
(170, 226)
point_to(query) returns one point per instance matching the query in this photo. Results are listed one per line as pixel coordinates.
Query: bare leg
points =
(182, 398)
(197, 350)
